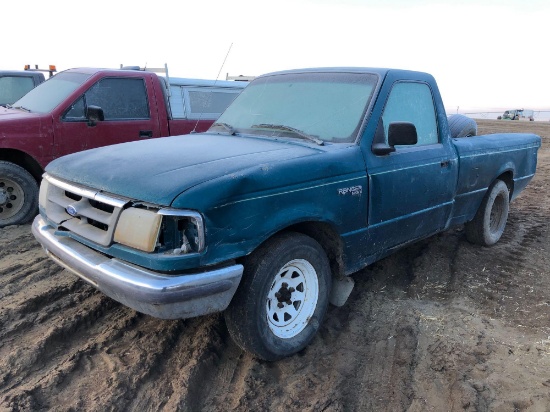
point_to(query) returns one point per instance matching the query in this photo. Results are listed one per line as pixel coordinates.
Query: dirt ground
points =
(442, 325)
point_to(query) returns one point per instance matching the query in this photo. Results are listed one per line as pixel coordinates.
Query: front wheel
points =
(18, 195)
(490, 220)
(283, 297)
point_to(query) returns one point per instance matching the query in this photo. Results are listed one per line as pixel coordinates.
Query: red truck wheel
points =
(282, 299)
(18, 195)
(490, 220)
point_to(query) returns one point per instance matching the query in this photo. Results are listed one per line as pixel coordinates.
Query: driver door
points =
(127, 116)
(411, 189)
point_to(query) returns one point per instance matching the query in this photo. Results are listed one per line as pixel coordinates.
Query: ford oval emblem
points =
(71, 210)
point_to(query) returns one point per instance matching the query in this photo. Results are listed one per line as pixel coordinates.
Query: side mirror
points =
(399, 133)
(402, 133)
(94, 114)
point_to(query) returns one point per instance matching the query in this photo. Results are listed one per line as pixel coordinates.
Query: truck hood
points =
(158, 170)
(15, 114)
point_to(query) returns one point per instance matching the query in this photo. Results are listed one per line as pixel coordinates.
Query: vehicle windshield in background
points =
(323, 106)
(13, 88)
(45, 97)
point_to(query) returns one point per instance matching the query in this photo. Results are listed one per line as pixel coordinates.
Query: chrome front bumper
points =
(158, 295)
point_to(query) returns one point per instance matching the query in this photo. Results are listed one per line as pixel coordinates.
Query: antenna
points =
(221, 68)
(231, 45)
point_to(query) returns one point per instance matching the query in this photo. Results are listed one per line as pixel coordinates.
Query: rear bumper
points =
(158, 295)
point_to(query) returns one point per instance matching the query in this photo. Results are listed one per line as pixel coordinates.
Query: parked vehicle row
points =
(85, 108)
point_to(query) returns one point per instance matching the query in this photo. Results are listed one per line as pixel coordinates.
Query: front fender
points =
(235, 229)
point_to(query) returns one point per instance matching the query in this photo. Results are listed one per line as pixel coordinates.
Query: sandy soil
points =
(442, 325)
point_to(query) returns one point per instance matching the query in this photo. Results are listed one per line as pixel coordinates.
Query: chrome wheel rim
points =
(12, 198)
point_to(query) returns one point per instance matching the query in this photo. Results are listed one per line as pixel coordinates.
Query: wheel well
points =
(327, 237)
(24, 160)
(508, 178)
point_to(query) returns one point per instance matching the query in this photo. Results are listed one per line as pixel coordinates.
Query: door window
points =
(412, 102)
(120, 99)
(210, 101)
(200, 102)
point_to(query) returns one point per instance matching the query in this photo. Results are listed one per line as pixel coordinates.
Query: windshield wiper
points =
(227, 127)
(23, 108)
(289, 129)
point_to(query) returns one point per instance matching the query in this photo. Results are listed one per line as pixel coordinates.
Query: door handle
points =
(445, 163)
(145, 133)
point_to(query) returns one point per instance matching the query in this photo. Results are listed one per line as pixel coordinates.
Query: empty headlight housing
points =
(182, 232)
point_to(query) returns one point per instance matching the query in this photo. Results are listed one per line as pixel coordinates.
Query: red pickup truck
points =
(84, 108)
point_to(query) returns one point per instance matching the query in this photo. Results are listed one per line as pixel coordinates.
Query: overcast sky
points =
(483, 53)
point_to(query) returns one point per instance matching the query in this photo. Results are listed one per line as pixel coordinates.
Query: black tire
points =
(490, 220)
(254, 319)
(462, 126)
(18, 195)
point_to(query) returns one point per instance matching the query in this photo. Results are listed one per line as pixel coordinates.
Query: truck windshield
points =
(45, 97)
(325, 106)
(13, 87)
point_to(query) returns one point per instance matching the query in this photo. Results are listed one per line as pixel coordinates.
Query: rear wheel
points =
(18, 195)
(282, 298)
(490, 220)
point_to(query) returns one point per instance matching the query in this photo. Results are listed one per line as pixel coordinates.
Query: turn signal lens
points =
(43, 193)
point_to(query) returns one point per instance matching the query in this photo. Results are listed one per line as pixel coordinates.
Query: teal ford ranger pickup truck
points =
(308, 176)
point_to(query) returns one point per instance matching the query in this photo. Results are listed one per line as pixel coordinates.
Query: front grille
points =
(95, 213)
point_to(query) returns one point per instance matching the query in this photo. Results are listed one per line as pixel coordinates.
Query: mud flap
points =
(341, 289)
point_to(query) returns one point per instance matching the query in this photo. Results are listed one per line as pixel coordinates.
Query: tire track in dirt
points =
(390, 382)
(114, 357)
(225, 381)
(190, 360)
(55, 352)
(73, 342)
(505, 278)
(334, 367)
(22, 289)
(55, 326)
(23, 311)
(119, 361)
(37, 346)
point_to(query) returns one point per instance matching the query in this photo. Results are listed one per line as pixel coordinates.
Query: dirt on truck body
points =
(440, 325)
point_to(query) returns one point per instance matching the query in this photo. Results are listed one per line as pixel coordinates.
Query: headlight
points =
(138, 228)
